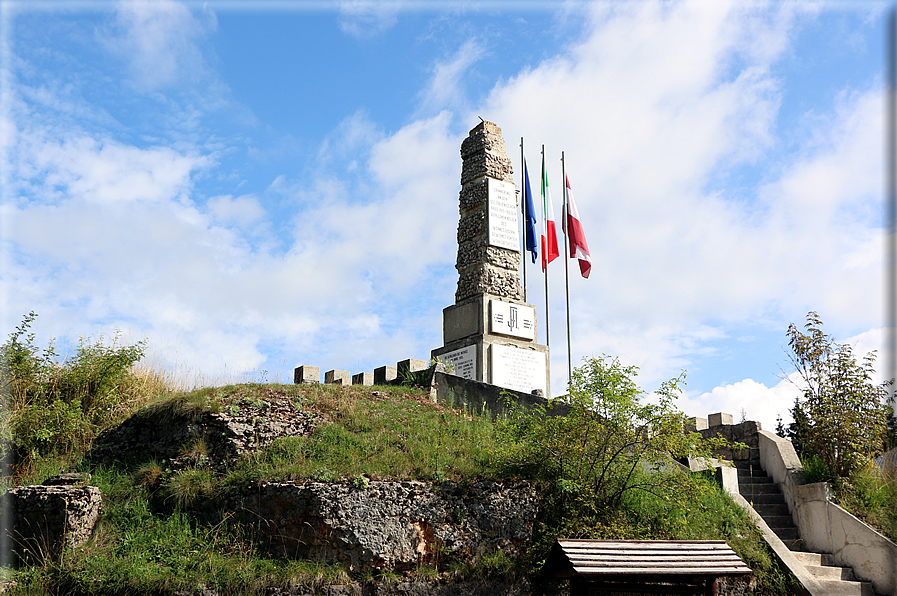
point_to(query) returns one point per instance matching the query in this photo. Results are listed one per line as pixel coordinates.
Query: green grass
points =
(140, 549)
(389, 436)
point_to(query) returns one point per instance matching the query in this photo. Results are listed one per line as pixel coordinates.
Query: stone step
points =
(759, 489)
(825, 572)
(765, 509)
(779, 521)
(795, 545)
(742, 480)
(834, 587)
(751, 462)
(786, 533)
(764, 498)
(817, 559)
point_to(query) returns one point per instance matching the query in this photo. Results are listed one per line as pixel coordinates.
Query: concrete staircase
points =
(767, 500)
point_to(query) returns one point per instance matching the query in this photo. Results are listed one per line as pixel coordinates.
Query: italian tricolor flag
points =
(549, 233)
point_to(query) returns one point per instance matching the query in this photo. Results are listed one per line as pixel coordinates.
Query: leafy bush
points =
(60, 405)
(591, 457)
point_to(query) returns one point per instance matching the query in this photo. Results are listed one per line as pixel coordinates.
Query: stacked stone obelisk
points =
(490, 332)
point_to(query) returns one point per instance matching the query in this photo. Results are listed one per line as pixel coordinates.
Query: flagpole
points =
(567, 271)
(545, 252)
(523, 219)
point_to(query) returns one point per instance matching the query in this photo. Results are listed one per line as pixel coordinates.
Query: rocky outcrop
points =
(217, 436)
(365, 525)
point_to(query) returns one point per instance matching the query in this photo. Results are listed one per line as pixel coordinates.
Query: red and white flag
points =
(550, 249)
(579, 249)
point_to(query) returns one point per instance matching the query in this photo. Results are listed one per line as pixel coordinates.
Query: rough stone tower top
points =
(484, 154)
(488, 239)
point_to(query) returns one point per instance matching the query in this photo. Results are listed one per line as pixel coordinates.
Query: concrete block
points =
(307, 374)
(338, 377)
(719, 419)
(727, 478)
(384, 375)
(695, 424)
(363, 378)
(411, 365)
(463, 320)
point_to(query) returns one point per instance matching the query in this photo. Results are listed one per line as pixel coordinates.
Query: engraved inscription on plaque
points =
(518, 369)
(503, 215)
(513, 319)
(464, 361)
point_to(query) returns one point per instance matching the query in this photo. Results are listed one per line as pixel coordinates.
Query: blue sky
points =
(255, 186)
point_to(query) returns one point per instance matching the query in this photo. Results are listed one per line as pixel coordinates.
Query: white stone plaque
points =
(518, 369)
(512, 319)
(464, 362)
(502, 216)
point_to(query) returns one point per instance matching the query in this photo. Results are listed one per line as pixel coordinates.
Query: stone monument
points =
(490, 332)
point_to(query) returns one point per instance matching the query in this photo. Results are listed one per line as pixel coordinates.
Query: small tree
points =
(608, 443)
(841, 416)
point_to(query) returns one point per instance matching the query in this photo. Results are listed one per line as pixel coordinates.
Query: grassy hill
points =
(149, 540)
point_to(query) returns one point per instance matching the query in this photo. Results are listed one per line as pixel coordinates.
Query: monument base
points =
(492, 340)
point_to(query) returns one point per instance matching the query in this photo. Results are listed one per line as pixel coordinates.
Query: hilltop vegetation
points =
(842, 421)
(588, 465)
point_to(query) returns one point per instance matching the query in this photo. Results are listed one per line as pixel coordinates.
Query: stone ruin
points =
(41, 521)
(241, 425)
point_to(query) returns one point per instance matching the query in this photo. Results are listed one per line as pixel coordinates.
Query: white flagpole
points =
(523, 218)
(545, 250)
(567, 272)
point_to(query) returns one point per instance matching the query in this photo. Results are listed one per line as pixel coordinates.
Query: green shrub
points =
(816, 470)
(60, 405)
(592, 456)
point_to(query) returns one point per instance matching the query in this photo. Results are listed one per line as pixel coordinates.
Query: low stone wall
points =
(780, 462)
(388, 524)
(483, 398)
(44, 520)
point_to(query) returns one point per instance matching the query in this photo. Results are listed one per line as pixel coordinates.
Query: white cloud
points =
(445, 89)
(239, 211)
(159, 39)
(104, 171)
(118, 237)
(367, 18)
(755, 400)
